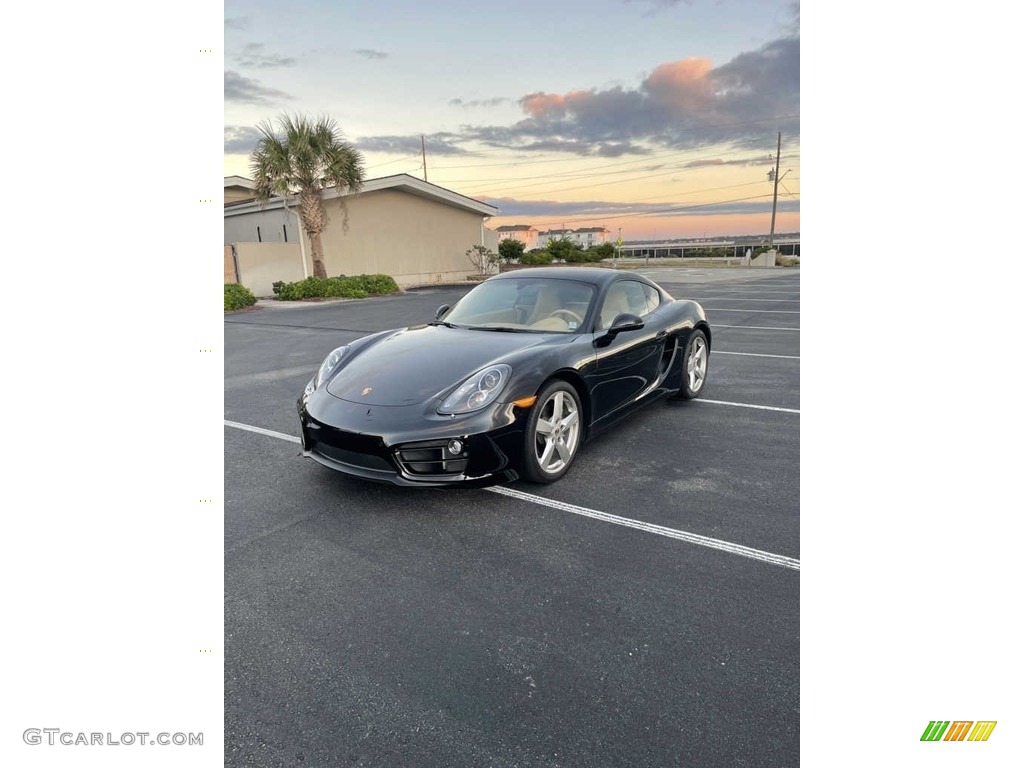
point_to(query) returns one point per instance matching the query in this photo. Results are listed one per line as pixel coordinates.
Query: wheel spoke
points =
(564, 451)
(545, 427)
(556, 408)
(569, 420)
(545, 457)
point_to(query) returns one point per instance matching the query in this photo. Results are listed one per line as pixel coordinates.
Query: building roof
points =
(402, 182)
(514, 228)
(591, 229)
(239, 181)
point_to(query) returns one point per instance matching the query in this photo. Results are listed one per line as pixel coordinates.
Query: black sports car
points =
(509, 381)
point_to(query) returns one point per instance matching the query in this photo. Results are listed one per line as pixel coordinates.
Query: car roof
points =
(595, 275)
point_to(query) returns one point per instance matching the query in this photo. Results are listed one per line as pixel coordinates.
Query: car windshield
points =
(536, 304)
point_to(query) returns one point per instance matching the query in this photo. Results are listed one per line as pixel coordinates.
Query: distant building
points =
(524, 233)
(588, 236)
(583, 237)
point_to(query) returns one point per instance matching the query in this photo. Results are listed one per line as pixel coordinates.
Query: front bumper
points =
(402, 451)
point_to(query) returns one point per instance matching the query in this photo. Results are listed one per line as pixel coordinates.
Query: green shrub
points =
(535, 257)
(237, 297)
(376, 285)
(277, 286)
(358, 287)
(510, 249)
(562, 248)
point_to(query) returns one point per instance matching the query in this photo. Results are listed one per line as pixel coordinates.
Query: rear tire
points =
(695, 366)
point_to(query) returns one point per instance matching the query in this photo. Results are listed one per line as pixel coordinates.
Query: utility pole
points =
(775, 196)
(423, 144)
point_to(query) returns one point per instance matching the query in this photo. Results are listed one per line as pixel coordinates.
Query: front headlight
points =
(328, 365)
(479, 390)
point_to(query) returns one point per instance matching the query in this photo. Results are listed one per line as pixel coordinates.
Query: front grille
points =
(365, 460)
(366, 451)
(432, 458)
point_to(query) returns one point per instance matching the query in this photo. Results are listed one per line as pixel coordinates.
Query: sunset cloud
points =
(253, 55)
(437, 144)
(684, 103)
(480, 102)
(240, 139)
(247, 90)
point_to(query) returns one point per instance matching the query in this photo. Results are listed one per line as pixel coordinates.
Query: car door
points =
(627, 363)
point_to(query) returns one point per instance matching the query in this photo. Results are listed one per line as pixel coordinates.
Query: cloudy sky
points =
(656, 117)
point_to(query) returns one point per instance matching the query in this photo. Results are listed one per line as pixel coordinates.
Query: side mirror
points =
(440, 311)
(625, 322)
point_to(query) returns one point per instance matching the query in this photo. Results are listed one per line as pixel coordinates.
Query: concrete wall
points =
(415, 240)
(269, 226)
(229, 266)
(492, 239)
(262, 264)
(766, 259)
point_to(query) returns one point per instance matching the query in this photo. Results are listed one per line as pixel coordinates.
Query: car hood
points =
(415, 364)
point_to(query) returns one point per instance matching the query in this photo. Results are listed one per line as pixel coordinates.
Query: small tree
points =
(562, 248)
(510, 249)
(483, 258)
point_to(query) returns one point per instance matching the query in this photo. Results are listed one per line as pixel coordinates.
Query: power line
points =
(390, 162)
(671, 171)
(489, 188)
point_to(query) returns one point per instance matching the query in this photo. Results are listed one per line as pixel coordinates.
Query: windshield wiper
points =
(505, 328)
(445, 323)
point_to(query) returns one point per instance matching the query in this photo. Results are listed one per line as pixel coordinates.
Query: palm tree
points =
(300, 161)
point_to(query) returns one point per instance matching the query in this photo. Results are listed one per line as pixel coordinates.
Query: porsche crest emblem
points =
(367, 390)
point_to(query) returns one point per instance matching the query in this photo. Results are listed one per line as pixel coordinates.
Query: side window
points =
(627, 296)
(653, 298)
(637, 297)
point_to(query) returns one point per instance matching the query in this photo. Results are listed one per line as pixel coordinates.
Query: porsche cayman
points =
(509, 382)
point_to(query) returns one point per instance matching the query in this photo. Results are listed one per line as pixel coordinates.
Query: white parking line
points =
(747, 405)
(737, 298)
(660, 530)
(756, 311)
(755, 327)
(756, 354)
(261, 431)
(672, 533)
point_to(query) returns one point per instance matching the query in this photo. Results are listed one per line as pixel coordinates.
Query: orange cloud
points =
(683, 84)
(540, 104)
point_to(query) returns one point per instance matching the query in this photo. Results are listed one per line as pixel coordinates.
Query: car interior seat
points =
(548, 301)
(615, 303)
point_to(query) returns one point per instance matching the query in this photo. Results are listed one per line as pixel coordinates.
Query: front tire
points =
(695, 366)
(553, 433)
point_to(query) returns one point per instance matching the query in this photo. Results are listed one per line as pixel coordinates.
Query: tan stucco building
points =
(401, 226)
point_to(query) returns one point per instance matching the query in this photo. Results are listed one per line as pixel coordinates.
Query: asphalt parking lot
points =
(643, 611)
